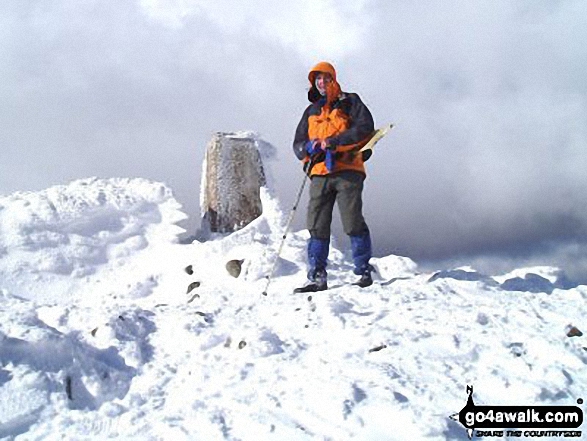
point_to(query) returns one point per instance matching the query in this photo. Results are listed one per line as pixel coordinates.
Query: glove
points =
(312, 147)
(314, 159)
(315, 152)
(317, 157)
(330, 146)
(320, 152)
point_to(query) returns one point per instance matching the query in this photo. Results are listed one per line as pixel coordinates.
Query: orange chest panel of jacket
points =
(328, 123)
(331, 123)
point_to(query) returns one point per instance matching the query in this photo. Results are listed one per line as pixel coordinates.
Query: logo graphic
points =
(473, 417)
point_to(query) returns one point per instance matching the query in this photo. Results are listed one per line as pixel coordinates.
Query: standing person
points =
(332, 129)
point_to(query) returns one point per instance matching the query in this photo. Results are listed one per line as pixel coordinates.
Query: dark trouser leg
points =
(320, 206)
(350, 203)
(322, 198)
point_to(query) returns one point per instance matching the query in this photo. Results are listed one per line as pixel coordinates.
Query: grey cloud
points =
(488, 152)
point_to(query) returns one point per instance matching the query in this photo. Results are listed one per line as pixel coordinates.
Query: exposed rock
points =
(234, 267)
(195, 296)
(192, 286)
(68, 391)
(517, 349)
(573, 331)
(378, 348)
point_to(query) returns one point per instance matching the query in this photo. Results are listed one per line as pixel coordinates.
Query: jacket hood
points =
(332, 91)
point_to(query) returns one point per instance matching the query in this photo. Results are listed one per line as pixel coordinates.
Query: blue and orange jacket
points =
(339, 116)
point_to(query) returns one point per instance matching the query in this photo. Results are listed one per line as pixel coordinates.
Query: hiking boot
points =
(317, 278)
(312, 287)
(365, 280)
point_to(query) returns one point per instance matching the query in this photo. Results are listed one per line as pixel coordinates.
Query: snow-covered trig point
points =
(232, 176)
(98, 340)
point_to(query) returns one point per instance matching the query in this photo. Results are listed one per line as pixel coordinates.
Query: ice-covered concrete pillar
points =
(232, 175)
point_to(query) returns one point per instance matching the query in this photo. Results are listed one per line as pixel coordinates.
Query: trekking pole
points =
(311, 164)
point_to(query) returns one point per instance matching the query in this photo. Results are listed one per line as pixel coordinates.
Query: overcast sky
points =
(487, 163)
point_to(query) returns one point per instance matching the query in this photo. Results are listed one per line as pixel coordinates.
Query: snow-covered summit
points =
(99, 336)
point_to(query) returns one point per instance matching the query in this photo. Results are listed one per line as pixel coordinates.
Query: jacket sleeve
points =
(361, 123)
(301, 137)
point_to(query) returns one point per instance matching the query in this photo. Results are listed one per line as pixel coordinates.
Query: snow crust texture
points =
(100, 338)
(55, 240)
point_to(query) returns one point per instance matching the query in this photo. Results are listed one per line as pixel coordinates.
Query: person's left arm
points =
(361, 124)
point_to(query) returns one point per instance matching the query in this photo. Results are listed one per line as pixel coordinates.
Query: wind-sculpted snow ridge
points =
(65, 234)
(130, 354)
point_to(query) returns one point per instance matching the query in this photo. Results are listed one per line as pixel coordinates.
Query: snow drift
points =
(100, 338)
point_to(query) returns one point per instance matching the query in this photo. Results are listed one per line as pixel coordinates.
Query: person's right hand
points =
(311, 146)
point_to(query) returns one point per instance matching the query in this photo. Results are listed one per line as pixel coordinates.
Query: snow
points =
(99, 338)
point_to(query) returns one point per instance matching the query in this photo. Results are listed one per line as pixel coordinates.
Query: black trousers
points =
(344, 187)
